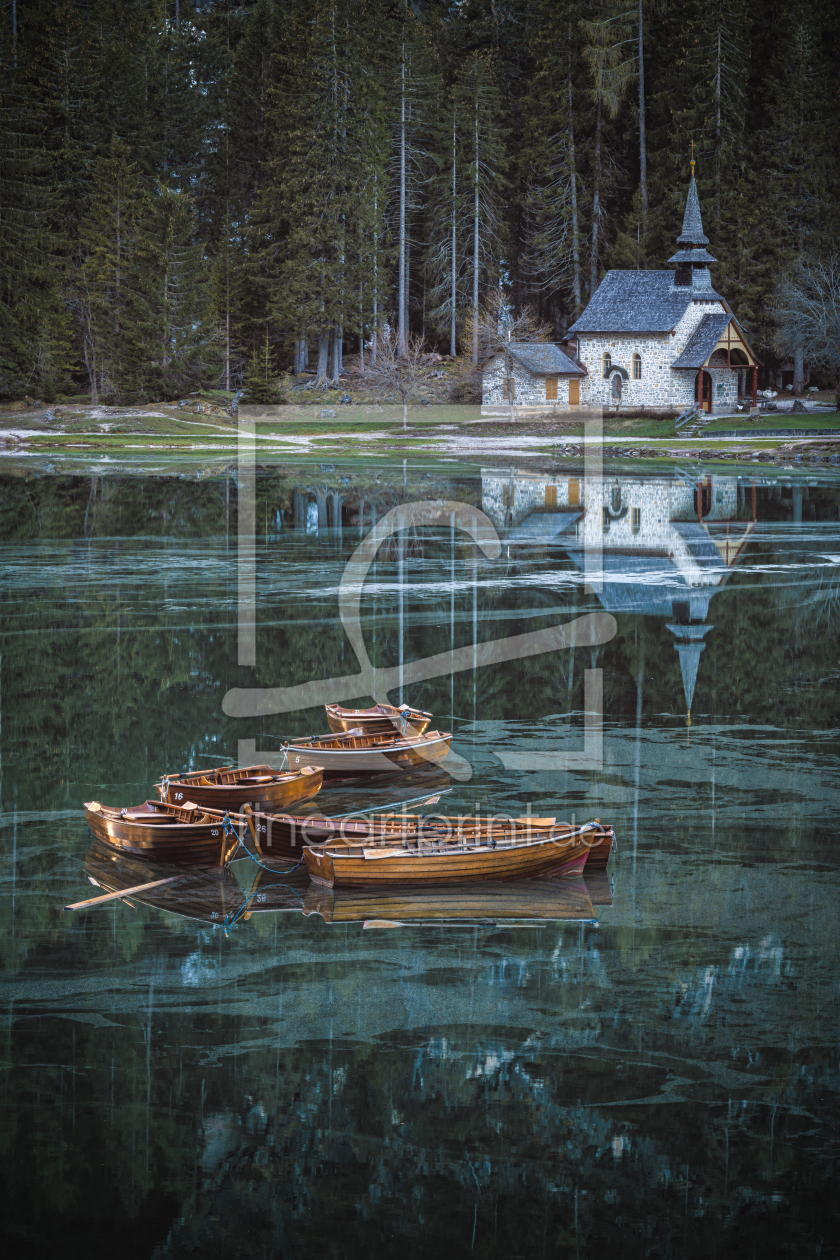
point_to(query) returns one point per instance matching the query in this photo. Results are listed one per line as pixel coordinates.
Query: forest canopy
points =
(184, 184)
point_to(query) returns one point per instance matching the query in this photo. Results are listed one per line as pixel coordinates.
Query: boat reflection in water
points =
(245, 889)
(523, 902)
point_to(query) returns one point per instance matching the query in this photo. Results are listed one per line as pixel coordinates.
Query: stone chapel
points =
(662, 340)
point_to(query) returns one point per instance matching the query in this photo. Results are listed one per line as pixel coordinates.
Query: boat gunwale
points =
(343, 850)
(373, 742)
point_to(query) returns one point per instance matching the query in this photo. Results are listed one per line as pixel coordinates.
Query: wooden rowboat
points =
(186, 835)
(491, 854)
(343, 756)
(382, 719)
(283, 837)
(228, 788)
(523, 902)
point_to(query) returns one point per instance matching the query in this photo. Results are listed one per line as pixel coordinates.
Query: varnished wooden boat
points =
(344, 756)
(516, 849)
(524, 901)
(228, 788)
(283, 837)
(602, 847)
(381, 719)
(185, 834)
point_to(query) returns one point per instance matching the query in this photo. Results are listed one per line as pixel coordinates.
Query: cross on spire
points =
(692, 153)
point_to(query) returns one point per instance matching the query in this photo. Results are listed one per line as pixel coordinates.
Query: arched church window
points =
(637, 367)
(607, 366)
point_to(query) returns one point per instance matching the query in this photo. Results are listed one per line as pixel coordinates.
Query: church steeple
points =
(692, 228)
(692, 258)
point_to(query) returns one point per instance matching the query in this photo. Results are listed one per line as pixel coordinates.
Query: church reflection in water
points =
(654, 547)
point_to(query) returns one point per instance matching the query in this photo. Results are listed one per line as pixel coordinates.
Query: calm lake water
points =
(645, 1062)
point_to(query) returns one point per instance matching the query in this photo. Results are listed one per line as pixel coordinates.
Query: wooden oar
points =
(126, 892)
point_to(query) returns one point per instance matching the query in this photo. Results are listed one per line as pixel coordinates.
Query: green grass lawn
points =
(827, 420)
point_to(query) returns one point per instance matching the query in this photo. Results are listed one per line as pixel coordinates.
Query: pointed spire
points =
(689, 646)
(692, 228)
(689, 654)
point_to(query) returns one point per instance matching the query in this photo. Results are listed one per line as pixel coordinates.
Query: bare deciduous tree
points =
(398, 374)
(808, 314)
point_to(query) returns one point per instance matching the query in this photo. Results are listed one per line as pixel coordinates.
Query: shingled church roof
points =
(638, 302)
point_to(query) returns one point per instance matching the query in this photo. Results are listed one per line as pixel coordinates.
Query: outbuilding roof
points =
(544, 359)
(638, 302)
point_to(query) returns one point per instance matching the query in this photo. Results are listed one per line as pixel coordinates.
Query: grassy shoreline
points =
(369, 432)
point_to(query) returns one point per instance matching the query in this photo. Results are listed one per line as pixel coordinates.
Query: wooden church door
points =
(704, 390)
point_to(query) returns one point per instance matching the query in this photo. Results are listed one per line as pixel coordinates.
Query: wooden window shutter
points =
(551, 496)
(508, 388)
(574, 493)
(551, 388)
(574, 392)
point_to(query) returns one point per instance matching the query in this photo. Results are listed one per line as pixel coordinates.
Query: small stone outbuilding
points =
(542, 375)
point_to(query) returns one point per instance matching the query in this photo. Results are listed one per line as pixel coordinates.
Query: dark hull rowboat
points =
(226, 788)
(343, 756)
(382, 719)
(283, 837)
(185, 835)
(524, 901)
(482, 857)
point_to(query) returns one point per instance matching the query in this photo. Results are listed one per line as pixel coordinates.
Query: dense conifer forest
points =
(188, 188)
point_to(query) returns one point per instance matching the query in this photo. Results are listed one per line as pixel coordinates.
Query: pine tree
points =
(479, 101)
(318, 219)
(104, 276)
(447, 226)
(549, 165)
(260, 379)
(34, 323)
(171, 300)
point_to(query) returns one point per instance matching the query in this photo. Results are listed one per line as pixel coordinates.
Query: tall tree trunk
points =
(323, 355)
(511, 387)
(402, 304)
(334, 356)
(717, 120)
(798, 370)
(361, 330)
(375, 277)
(227, 350)
(117, 277)
(642, 136)
(475, 245)
(452, 321)
(573, 172)
(596, 205)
